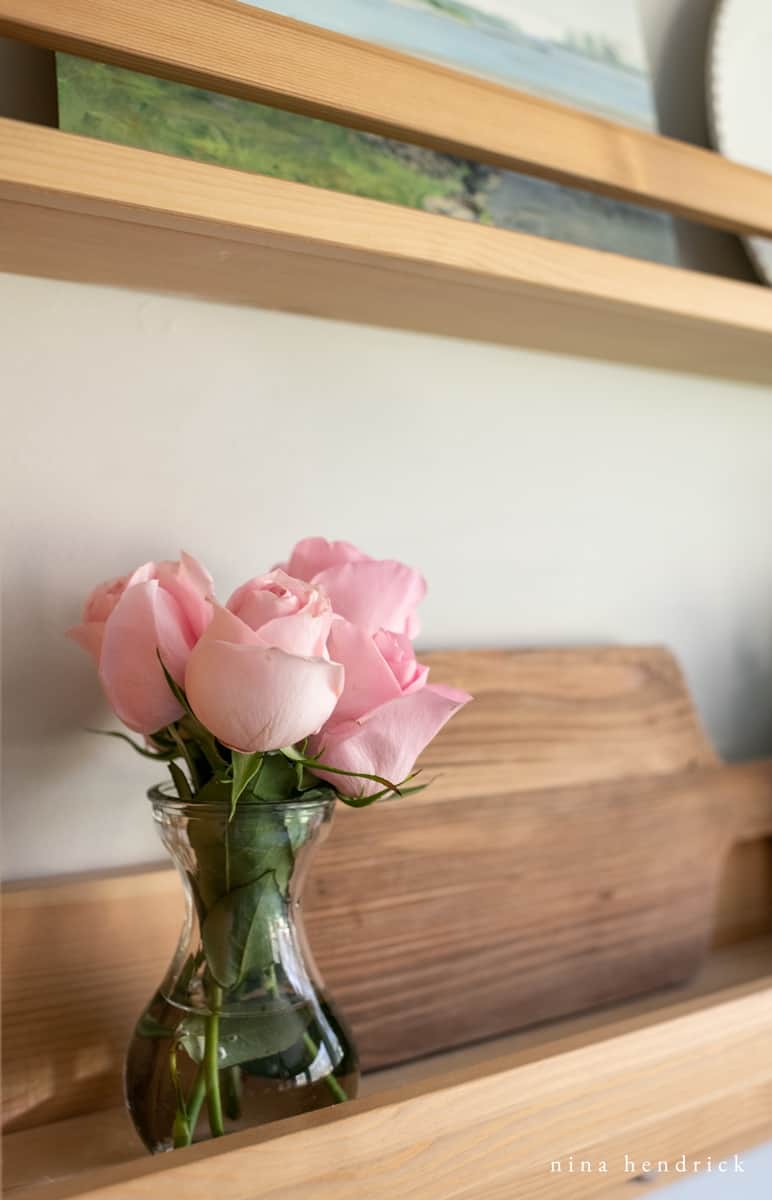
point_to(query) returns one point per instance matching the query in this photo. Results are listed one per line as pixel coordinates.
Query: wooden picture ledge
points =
(76, 208)
(581, 844)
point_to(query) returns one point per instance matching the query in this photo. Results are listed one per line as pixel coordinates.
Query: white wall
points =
(548, 500)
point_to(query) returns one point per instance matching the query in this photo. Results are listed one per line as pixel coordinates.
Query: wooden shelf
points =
(686, 1072)
(76, 209)
(243, 51)
(581, 845)
(73, 208)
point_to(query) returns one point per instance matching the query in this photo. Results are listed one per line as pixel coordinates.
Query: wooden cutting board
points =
(567, 854)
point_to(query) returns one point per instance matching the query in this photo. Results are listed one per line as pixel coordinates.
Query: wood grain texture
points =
(700, 1075)
(744, 903)
(246, 52)
(107, 1138)
(567, 854)
(75, 208)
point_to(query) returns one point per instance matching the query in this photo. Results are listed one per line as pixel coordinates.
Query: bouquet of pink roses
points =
(310, 665)
(302, 689)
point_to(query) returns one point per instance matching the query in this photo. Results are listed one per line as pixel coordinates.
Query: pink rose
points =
(258, 688)
(378, 668)
(290, 614)
(161, 608)
(387, 713)
(99, 604)
(370, 593)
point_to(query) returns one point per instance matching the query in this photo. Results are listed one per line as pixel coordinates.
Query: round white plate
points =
(739, 84)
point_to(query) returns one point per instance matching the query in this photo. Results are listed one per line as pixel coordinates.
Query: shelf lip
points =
(82, 209)
(49, 168)
(247, 52)
(676, 1081)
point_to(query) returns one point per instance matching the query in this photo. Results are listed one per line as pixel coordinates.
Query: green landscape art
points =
(584, 66)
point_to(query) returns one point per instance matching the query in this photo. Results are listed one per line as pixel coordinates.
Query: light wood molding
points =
(246, 52)
(106, 1138)
(572, 850)
(74, 208)
(683, 1079)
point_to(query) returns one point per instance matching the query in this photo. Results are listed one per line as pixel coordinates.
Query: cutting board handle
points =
(748, 789)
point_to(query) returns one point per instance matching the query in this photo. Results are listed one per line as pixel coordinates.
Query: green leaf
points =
(277, 780)
(181, 783)
(362, 801)
(148, 1027)
(237, 931)
(174, 687)
(231, 854)
(314, 764)
(159, 756)
(190, 722)
(263, 1031)
(216, 791)
(386, 793)
(163, 741)
(245, 769)
(296, 821)
(184, 748)
(295, 755)
(191, 729)
(312, 783)
(318, 790)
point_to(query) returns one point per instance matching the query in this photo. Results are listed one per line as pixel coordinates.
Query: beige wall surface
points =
(548, 500)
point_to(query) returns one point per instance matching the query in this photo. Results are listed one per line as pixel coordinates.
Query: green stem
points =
(314, 764)
(186, 1117)
(232, 1092)
(196, 1099)
(181, 1128)
(211, 1065)
(330, 1081)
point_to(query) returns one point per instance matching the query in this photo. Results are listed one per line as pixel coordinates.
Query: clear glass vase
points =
(240, 1031)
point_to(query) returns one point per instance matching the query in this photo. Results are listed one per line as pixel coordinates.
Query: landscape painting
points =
(588, 53)
(590, 56)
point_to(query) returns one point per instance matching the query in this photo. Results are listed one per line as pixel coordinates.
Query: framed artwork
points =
(739, 87)
(590, 56)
